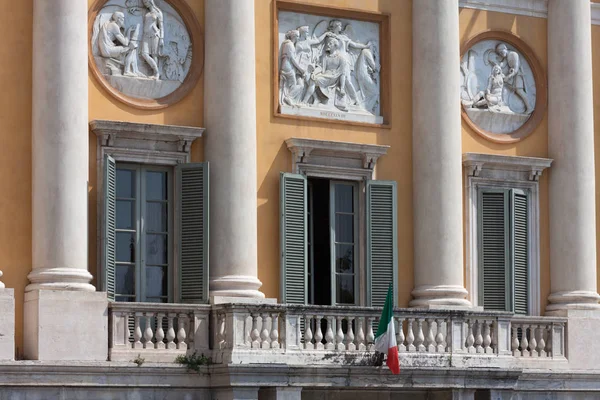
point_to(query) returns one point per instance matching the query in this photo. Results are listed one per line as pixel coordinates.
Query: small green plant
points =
(193, 362)
(139, 360)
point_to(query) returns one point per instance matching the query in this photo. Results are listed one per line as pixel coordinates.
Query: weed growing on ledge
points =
(194, 361)
(139, 360)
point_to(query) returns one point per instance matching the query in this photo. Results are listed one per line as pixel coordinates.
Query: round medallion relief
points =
(503, 88)
(146, 53)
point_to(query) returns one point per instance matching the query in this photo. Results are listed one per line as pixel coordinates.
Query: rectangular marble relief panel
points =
(329, 67)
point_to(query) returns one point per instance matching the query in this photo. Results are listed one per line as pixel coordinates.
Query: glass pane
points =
(159, 300)
(156, 249)
(156, 217)
(345, 289)
(126, 299)
(344, 198)
(156, 281)
(125, 279)
(125, 214)
(126, 183)
(126, 247)
(344, 258)
(156, 185)
(344, 228)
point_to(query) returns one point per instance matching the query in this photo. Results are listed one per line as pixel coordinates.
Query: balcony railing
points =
(292, 334)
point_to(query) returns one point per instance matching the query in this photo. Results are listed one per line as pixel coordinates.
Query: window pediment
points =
(494, 166)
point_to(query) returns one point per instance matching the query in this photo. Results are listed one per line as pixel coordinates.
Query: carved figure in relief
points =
(153, 36)
(492, 97)
(120, 49)
(515, 78)
(328, 69)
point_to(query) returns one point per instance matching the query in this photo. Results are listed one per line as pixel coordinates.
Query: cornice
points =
(534, 166)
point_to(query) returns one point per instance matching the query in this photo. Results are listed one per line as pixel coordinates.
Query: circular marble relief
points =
(503, 93)
(146, 53)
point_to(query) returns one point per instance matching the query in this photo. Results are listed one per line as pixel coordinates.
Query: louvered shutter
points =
(109, 228)
(192, 222)
(494, 249)
(293, 238)
(382, 242)
(520, 224)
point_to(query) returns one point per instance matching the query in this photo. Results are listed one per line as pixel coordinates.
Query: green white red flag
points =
(385, 339)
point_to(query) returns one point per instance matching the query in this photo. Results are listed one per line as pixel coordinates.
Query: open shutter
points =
(494, 249)
(382, 241)
(293, 238)
(110, 220)
(520, 224)
(192, 222)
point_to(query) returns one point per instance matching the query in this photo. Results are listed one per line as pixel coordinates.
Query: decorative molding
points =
(327, 159)
(511, 172)
(529, 8)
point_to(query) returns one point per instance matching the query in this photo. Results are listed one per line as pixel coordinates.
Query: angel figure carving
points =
(329, 69)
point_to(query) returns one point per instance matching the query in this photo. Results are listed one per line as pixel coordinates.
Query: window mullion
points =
(510, 251)
(332, 245)
(141, 235)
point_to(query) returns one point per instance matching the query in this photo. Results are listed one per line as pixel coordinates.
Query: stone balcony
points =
(334, 336)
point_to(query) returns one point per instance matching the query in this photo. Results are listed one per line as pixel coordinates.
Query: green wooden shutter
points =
(520, 255)
(382, 241)
(494, 249)
(110, 220)
(192, 222)
(293, 238)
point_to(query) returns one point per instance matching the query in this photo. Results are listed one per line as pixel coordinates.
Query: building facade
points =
(211, 198)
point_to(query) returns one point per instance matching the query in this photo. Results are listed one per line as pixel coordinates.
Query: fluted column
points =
(230, 146)
(60, 146)
(437, 168)
(571, 145)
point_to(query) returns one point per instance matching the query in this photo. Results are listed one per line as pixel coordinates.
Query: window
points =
(153, 214)
(338, 226)
(502, 231)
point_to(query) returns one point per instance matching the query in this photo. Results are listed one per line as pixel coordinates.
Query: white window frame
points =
(341, 161)
(133, 143)
(488, 171)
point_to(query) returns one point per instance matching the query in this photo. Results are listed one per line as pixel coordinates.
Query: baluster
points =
(127, 331)
(329, 345)
(339, 335)
(350, 334)
(400, 335)
(137, 333)
(549, 341)
(420, 339)
(448, 339)
(264, 333)
(308, 335)
(439, 337)
(370, 334)
(533, 340)
(429, 339)
(221, 331)
(255, 334)
(470, 337)
(148, 334)
(318, 333)
(275, 331)
(514, 330)
(360, 334)
(160, 333)
(170, 332)
(487, 337)
(494, 327)
(181, 334)
(541, 348)
(410, 335)
(478, 337)
(524, 342)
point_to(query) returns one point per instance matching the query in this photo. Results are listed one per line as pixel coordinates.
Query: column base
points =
(7, 324)
(72, 279)
(62, 325)
(573, 300)
(280, 393)
(236, 286)
(440, 297)
(235, 394)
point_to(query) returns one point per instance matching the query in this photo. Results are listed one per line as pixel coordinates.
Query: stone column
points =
(230, 146)
(571, 145)
(60, 301)
(437, 167)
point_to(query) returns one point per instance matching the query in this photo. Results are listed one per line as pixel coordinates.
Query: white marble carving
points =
(329, 68)
(141, 47)
(498, 90)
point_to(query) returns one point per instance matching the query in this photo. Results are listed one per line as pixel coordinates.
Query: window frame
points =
(485, 171)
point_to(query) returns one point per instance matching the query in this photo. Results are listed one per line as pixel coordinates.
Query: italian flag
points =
(385, 340)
